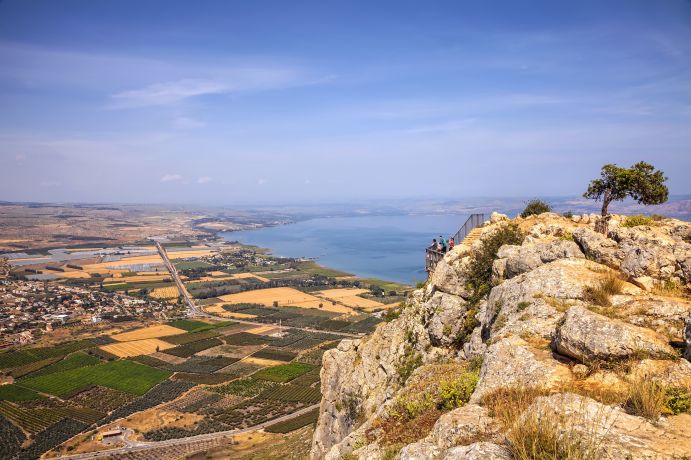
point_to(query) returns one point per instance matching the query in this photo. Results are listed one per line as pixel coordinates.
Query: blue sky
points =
(236, 102)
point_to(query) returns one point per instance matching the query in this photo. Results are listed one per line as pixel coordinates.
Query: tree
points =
(535, 207)
(642, 182)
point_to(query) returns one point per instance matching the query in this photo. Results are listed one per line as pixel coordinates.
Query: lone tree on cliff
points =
(642, 182)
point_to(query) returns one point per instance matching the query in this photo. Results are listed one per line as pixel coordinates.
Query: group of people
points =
(442, 245)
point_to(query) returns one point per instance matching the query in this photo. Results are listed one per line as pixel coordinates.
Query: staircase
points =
(467, 234)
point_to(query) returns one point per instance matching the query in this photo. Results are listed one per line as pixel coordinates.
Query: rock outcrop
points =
(407, 390)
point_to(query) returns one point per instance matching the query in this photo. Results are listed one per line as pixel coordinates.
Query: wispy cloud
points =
(165, 93)
(171, 177)
(204, 180)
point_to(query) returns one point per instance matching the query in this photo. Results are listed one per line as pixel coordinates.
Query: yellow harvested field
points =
(136, 348)
(349, 297)
(151, 332)
(239, 276)
(218, 273)
(338, 293)
(189, 254)
(285, 296)
(262, 361)
(68, 274)
(170, 292)
(260, 329)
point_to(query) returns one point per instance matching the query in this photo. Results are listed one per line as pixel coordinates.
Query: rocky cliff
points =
(542, 339)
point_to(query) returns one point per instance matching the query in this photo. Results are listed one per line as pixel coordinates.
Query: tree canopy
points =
(642, 182)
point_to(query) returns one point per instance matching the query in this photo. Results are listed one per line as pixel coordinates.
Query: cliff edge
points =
(543, 337)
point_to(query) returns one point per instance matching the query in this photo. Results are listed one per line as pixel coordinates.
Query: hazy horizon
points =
(235, 104)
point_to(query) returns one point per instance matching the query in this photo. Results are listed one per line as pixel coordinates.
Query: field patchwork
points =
(168, 292)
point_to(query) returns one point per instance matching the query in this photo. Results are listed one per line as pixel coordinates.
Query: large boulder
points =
(448, 277)
(462, 425)
(514, 260)
(512, 362)
(608, 432)
(445, 315)
(589, 336)
(598, 247)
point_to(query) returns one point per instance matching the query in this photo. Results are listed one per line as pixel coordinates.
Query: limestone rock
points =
(421, 450)
(512, 362)
(687, 338)
(610, 432)
(462, 425)
(496, 218)
(521, 259)
(478, 451)
(448, 276)
(598, 247)
(446, 314)
(588, 336)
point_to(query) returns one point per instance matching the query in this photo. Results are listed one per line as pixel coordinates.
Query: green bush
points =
(410, 361)
(568, 214)
(455, 393)
(635, 221)
(535, 207)
(678, 400)
(479, 271)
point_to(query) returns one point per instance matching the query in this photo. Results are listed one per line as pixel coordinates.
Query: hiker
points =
(442, 243)
(435, 245)
(451, 244)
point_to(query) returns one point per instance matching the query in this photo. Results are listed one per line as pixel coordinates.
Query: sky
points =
(237, 102)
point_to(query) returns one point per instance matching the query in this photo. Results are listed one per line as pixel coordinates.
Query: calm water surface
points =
(385, 247)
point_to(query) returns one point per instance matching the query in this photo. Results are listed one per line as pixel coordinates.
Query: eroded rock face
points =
(612, 432)
(588, 336)
(511, 362)
(536, 306)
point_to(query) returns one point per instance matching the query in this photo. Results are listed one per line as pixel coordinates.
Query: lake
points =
(385, 247)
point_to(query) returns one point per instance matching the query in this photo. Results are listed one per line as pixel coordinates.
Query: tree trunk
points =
(606, 200)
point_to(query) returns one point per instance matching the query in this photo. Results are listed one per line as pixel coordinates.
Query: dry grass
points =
(262, 361)
(600, 293)
(151, 332)
(646, 398)
(136, 348)
(544, 434)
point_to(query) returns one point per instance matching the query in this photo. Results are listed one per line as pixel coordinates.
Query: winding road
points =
(135, 446)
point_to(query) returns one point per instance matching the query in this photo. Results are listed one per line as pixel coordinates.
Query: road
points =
(139, 446)
(193, 310)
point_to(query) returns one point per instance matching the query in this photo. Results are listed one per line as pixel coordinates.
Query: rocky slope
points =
(571, 347)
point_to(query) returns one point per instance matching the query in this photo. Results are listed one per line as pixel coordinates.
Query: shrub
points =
(635, 221)
(479, 271)
(523, 305)
(455, 393)
(410, 361)
(568, 214)
(678, 400)
(535, 207)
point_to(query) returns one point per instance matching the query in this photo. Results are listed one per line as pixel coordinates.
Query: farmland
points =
(151, 362)
(124, 375)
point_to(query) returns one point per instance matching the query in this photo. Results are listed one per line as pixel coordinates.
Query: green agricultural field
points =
(17, 393)
(283, 373)
(191, 325)
(19, 358)
(122, 375)
(294, 423)
(74, 361)
(316, 269)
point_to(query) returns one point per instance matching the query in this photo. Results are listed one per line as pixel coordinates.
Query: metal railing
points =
(432, 256)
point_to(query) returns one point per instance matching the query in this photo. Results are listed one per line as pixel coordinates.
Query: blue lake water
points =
(385, 247)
